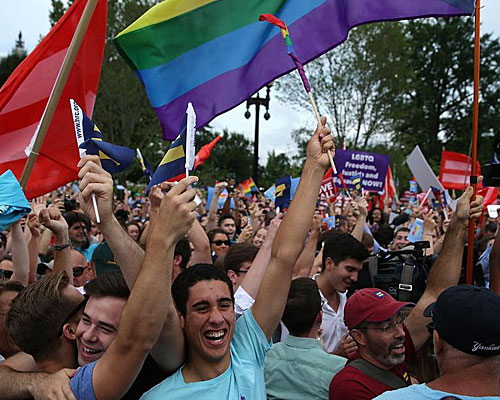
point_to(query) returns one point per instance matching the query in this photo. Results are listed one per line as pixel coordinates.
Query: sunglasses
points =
(5, 273)
(221, 242)
(78, 271)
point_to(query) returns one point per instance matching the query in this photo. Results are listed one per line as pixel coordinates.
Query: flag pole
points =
(475, 118)
(318, 118)
(56, 92)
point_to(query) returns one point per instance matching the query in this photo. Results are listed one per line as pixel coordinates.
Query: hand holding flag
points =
(300, 68)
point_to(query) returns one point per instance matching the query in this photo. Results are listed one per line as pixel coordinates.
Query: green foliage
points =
(232, 155)
(9, 63)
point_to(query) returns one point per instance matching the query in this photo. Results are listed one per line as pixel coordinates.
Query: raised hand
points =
(319, 144)
(52, 219)
(177, 210)
(467, 209)
(34, 225)
(94, 179)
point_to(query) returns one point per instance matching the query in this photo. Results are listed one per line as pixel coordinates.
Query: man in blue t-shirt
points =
(224, 357)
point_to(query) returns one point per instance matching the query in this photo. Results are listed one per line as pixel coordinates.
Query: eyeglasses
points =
(78, 271)
(388, 327)
(5, 273)
(221, 242)
(75, 311)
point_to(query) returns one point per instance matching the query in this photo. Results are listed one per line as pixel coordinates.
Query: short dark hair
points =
(302, 306)
(110, 284)
(183, 249)
(73, 217)
(211, 234)
(223, 217)
(3, 239)
(190, 277)
(342, 246)
(402, 229)
(238, 254)
(37, 313)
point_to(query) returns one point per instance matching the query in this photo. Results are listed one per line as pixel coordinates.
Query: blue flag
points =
(90, 140)
(173, 165)
(283, 192)
(144, 165)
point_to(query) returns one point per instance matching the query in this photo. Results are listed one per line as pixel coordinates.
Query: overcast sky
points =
(31, 17)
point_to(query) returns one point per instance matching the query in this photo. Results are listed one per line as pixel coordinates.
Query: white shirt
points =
(333, 321)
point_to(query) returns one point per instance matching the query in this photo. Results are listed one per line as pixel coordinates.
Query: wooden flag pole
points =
(56, 92)
(475, 119)
(318, 118)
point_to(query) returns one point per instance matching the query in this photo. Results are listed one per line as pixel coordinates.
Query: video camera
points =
(492, 171)
(402, 273)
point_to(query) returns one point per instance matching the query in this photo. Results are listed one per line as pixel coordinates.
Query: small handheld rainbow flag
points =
(247, 185)
(289, 46)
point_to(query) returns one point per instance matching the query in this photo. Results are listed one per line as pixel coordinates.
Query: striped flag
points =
(216, 54)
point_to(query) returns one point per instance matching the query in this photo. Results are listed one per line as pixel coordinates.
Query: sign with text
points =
(371, 166)
(327, 190)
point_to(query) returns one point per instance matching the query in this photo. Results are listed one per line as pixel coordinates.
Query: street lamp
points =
(257, 102)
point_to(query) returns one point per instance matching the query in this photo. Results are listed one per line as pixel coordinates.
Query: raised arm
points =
(214, 205)
(273, 292)
(306, 259)
(446, 270)
(495, 265)
(201, 245)
(119, 366)
(253, 278)
(359, 228)
(20, 255)
(52, 219)
(169, 352)
(33, 246)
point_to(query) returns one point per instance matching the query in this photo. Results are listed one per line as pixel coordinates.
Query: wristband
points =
(59, 247)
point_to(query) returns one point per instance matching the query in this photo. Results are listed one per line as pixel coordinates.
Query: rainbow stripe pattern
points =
(216, 53)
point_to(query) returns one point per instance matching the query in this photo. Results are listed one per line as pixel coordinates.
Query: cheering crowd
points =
(168, 297)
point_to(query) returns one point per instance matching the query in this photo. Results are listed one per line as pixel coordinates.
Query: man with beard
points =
(386, 339)
(467, 349)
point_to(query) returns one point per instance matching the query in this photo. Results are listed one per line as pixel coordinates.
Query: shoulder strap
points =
(373, 268)
(379, 374)
(406, 287)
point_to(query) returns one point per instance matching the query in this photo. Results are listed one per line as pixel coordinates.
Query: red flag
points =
(455, 170)
(24, 96)
(390, 188)
(490, 195)
(205, 151)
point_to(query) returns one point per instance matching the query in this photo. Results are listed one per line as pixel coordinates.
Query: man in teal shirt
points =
(300, 368)
(220, 365)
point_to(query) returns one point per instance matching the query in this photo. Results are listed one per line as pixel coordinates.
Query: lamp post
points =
(257, 102)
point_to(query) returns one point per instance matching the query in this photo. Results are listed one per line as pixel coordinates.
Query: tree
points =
(434, 107)
(351, 83)
(9, 63)
(232, 155)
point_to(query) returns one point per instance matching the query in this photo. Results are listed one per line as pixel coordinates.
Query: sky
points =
(31, 17)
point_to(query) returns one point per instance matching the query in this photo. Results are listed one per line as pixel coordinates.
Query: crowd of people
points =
(170, 297)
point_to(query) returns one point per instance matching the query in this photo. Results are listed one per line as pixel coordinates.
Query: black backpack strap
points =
(405, 286)
(379, 374)
(373, 268)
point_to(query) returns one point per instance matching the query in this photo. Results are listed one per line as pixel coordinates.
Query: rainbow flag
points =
(247, 185)
(216, 54)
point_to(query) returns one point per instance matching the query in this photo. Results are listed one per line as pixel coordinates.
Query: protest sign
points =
(424, 175)
(328, 190)
(371, 166)
(416, 231)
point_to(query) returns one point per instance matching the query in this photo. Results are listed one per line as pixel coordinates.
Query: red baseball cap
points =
(371, 305)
